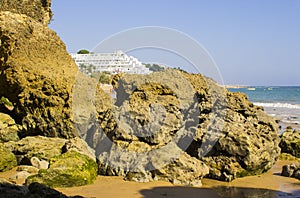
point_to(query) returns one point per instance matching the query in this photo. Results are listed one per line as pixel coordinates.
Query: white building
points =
(116, 62)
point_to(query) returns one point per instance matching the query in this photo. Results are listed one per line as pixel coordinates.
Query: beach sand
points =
(269, 184)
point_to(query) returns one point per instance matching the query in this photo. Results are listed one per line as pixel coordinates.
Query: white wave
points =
(277, 105)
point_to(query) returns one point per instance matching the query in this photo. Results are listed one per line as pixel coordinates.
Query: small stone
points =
(40, 164)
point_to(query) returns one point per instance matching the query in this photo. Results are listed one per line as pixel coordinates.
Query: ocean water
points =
(283, 103)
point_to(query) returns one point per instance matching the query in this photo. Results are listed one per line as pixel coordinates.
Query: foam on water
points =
(277, 105)
(283, 103)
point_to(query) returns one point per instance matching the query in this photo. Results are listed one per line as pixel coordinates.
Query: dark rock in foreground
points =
(35, 190)
(291, 170)
(290, 142)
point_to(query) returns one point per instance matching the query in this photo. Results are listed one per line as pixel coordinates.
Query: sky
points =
(252, 42)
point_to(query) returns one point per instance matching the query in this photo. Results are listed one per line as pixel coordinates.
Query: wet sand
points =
(270, 184)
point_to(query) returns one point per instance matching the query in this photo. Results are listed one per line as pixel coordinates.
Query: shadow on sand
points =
(217, 192)
(35, 190)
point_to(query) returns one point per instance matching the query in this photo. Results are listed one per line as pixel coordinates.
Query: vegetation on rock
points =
(7, 159)
(41, 147)
(67, 170)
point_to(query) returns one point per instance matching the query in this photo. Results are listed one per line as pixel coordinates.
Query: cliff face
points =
(37, 75)
(40, 10)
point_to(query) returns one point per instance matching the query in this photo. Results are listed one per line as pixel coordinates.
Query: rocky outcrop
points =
(7, 159)
(8, 129)
(291, 170)
(155, 117)
(37, 76)
(40, 10)
(67, 170)
(290, 142)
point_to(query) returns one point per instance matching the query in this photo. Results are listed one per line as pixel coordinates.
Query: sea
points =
(281, 102)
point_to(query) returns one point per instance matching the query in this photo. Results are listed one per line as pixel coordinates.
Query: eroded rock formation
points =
(158, 118)
(40, 10)
(37, 75)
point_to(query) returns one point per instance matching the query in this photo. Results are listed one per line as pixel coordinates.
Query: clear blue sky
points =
(253, 42)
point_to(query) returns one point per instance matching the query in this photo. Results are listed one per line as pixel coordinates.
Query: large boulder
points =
(155, 117)
(140, 135)
(40, 10)
(8, 129)
(37, 75)
(7, 159)
(67, 170)
(290, 142)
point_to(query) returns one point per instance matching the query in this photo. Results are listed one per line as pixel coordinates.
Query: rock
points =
(41, 147)
(39, 83)
(158, 116)
(9, 190)
(8, 129)
(291, 170)
(79, 145)
(39, 10)
(224, 168)
(140, 135)
(7, 159)
(29, 169)
(185, 170)
(290, 142)
(40, 164)
(67, 170)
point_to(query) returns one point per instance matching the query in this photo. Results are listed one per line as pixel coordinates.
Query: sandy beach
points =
(269, 184)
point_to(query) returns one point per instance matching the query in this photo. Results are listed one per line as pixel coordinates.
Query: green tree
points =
(83, 51)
